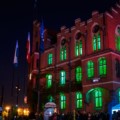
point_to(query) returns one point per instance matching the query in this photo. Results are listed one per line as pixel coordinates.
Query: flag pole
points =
(15, 63)
(41, 50)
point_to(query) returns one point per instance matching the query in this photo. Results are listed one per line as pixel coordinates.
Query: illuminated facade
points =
(80, 66)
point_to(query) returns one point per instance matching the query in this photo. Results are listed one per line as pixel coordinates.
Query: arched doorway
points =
(96, 99)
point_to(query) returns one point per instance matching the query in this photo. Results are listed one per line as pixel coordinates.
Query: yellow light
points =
(30, 76)
(26, 112)
(7, 108)
(20, 111)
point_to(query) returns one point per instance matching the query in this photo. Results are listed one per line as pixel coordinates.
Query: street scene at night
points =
(60, 60)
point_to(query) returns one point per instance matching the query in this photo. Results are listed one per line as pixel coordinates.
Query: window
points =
(96, 42)
(90, 69)
(63, 53)
(117, 68)
(98, 98)
(62, 77)
(78, 100)
(62, 101)
(102, 67)
(119, 96)
(49, 80)
(78, 48)
(118, 43)
(50, 98)
(50, 58)
(78, 72)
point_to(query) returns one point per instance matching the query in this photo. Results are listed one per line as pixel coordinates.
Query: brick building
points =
(80, 66)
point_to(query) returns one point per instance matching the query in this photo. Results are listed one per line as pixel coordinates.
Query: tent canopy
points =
(50, 105)
(116, 108)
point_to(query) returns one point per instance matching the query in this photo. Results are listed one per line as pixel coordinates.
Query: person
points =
(0, 115)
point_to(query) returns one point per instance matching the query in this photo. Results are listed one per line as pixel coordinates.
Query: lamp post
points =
(17, 91)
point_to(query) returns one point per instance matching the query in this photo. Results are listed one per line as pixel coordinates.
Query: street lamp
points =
(17, 91)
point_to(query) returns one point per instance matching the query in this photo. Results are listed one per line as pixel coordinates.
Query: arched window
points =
(49, 80)
(90, 69)
(50, 58)
(102, 67)
(96, 42)
(62, 101)
(98, 98)
(119, 96)
(62, 77)
(117, 38)
(78, 48)
(63, 53)
(78, 74)
(78, 100)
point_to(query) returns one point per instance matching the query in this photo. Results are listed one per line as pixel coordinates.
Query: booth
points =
(49, 110)
(116, 108)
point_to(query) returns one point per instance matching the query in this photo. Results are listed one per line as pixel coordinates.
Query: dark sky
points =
(16, 17)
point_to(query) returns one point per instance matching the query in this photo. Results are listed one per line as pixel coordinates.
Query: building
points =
(80, 66)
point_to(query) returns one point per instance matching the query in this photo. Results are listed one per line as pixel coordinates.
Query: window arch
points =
(102, 66)
(78, 74)
(79, 100)
(98, 98)
(62, 101)
(48, 80)
(62, 77)
(90, 69)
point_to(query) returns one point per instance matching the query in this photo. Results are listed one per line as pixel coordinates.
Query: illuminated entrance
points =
(95, 96)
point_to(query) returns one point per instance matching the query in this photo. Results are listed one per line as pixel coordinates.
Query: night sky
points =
(16, 18)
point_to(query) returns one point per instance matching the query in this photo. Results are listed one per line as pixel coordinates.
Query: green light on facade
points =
(78, 100)
(118, 43)
(50, 58)
(78, 48)
(62, 101)
(90, 69)
(78, 72)
(63, 53)
(49, 80)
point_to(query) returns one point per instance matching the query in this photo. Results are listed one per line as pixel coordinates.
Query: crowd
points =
(78, 115)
